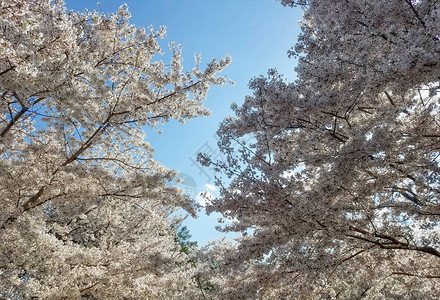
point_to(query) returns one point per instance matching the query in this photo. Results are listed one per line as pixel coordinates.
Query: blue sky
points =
(257, 34)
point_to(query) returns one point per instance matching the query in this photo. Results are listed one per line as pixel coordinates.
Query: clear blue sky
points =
(257, 34)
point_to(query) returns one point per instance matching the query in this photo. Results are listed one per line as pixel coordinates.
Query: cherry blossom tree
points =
(85, 209)
(337, 190)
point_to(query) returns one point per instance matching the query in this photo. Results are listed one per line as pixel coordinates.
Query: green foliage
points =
(184, 245)
(182, 237)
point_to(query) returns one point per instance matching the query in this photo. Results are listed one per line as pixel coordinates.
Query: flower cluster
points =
(85, 209)
(339, 185)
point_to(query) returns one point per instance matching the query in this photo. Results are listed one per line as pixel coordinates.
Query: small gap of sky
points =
(257, 34)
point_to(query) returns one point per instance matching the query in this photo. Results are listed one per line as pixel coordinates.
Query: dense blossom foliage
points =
(337, 191)
(85, 209)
